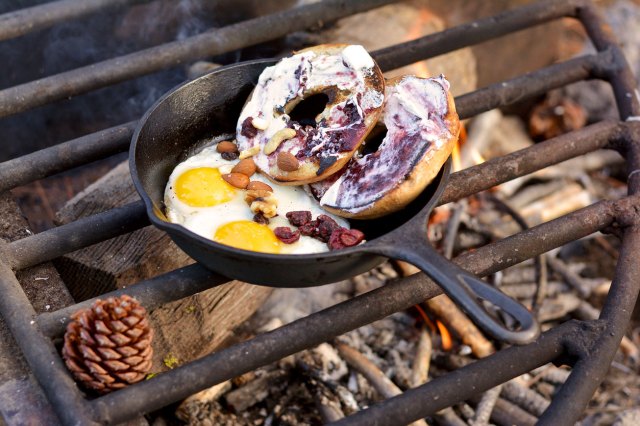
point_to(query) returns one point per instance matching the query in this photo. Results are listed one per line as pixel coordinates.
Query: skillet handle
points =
(466, 290)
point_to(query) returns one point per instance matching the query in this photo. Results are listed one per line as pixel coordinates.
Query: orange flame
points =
(447, 343)
(426, 319)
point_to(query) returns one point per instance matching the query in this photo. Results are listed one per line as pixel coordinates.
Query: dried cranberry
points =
(326, 226)
(299, 218)
(343, 237)
(247, 128)
(260, 218)
(351, 237)
(286, 235)
(229, 156)
(309, 229)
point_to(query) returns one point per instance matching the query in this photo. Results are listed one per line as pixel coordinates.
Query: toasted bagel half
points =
(354, 87)
(422, 127)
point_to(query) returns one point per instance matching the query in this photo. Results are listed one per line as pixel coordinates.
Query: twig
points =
(485, 407)
(372, 373)
(369, 370)
(525, 398)
(454, 318)
(422, 360)
(452, 228)
(573, 279)
(448, 417)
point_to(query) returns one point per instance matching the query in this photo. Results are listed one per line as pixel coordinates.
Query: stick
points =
(422, 360)
(485, 407)
(573, 279)
(372, 373)
(454, 318)
(525, 398)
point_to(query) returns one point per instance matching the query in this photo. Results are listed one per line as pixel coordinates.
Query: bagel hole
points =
(307, 109)
(374, 140)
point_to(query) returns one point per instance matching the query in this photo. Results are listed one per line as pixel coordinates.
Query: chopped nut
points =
(286, 235)
(249, 152)
(252, 194)
(256, 184)
(226, 146)
(236, 179)
(260, 123)
(287, 162)
(247, 167)
(267, 206)
(275, 141)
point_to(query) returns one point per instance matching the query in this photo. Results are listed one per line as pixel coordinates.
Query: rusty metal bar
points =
(83, 232)
(455, 386)
(151, 293)
(248, 33)
(475, 32)
(55, 242)
(291, 338)
(39, 351)
(66, 155)
(110, 141)
(502, 169)
(24, 21)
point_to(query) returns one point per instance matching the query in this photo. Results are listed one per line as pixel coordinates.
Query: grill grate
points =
(588, 346)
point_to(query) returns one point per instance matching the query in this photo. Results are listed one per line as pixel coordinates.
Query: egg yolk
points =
(203, 187)
(248, 235)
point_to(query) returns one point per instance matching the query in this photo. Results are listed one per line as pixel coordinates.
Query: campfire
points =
(541, 203)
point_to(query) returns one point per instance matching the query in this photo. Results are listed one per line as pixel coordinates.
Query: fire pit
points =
(587, 346)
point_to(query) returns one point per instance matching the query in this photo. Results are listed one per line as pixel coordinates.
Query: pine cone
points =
(108, 346)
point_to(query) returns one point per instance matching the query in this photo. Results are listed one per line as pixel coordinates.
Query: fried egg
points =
(198, 198)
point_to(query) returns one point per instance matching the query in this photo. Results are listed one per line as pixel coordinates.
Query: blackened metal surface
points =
(39, 351)
(81, 80)
(150, 293)
(455, 386)
(64, 239)
(587, 370)
(64, 156)
(23, 21)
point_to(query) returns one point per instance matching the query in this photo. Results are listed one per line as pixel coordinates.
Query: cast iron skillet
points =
(208, 107)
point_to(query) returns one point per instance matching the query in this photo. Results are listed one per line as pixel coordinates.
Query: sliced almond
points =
(249, 152)
(247, 167)
(226, 146)
(287, 162)
(236, 179)
(275, 141)
(257, 185)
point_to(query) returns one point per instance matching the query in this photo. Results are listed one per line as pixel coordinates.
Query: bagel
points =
(314, 150)
(422, 128)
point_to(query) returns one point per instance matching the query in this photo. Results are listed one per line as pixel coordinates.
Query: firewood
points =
(453, 317)
(185, 329)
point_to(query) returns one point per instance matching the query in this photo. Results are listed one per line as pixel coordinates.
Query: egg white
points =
(205, 221)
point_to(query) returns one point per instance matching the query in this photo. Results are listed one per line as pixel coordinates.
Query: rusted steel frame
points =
(81, 233)
(475, 32)
(502, 169)
(55, 242)
(24, 21)
(214, 42)
(528, 85)
(291, 338)
(66, 155)
(468, 381)
(595, 359)
(39, 352)
(116, 139)
(151, 293)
